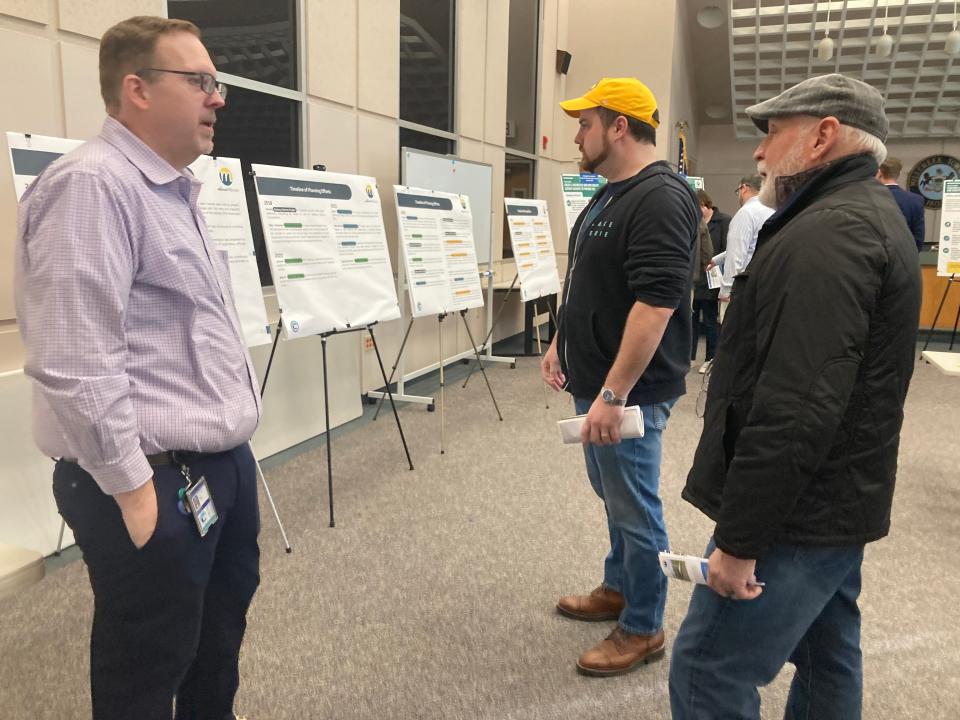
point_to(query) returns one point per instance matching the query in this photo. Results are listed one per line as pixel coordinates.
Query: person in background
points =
(706, 307)
(910, 204)
(741, 235)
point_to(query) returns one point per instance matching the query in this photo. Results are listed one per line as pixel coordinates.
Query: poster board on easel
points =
(327, 248)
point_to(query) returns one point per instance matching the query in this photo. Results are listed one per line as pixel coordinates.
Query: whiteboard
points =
(450, 174)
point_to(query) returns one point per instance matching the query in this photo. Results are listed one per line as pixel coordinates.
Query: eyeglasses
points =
(205, 81)
(739, 188)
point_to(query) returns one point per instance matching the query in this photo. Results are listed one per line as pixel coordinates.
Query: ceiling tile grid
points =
(773, 45)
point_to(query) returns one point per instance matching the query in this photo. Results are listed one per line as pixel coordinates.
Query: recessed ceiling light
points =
(711, 17)
(716, 111)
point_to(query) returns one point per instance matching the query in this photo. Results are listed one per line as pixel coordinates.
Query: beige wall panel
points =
(476, 319)
(683, 101)
(495, 156)
(27, 74)
(423, 347)
(11, 348)
(549, 188)
(470, 150)
(548, 76)
(35, 10)
(82, 104)
(495, 90)
(722, 161)
(93, 17)
(379, 157)
(331, 30)
(561, 145)
(333, 137)
(379, 53)
(638, 45)
(378, 151)
(471, 67)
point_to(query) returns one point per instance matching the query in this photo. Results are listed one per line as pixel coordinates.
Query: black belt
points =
(169, 457)
(177, 457)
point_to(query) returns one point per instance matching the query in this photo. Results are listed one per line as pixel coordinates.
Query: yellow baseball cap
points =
(623, 95)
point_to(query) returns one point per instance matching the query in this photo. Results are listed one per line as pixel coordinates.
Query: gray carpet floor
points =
(433, 597)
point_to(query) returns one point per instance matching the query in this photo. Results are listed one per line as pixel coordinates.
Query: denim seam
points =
(705, 646)
(649, 531)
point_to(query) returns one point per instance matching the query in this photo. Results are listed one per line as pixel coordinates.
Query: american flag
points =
(682, 152)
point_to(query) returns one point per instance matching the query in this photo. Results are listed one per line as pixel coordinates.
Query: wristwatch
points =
(609, 396)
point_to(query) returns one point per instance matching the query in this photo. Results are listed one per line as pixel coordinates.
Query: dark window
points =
(250, 38)
(518, 182)
(264, 129)
(426, 62)
(424, 141)
(522, 78)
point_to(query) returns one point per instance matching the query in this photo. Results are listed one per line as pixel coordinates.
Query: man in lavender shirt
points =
(142, 381)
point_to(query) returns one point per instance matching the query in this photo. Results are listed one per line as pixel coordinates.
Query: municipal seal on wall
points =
(928, 176)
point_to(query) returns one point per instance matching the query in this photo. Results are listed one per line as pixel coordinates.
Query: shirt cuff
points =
(128, 474)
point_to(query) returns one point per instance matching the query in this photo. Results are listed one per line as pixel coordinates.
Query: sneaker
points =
(705, 368)
(601, 604)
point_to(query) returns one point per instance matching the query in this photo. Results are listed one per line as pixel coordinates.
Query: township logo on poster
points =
(929, 175)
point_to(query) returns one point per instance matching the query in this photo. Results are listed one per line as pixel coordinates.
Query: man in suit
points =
(911, 204)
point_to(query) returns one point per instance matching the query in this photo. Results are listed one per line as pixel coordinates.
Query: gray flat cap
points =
(850, 101)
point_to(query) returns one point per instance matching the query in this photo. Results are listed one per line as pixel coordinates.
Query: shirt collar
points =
(157, 170)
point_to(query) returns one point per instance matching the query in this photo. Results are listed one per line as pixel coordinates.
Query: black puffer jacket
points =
(816, 352)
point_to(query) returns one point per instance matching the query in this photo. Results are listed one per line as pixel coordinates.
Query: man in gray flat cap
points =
(797, 461)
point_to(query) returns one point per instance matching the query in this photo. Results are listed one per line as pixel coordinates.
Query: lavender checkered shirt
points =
(127, 313)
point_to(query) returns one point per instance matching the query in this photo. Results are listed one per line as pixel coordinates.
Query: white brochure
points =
(436, 234)
(327, 248)
(631, 426)
(533, 249)
(224, 206)
(30, 154)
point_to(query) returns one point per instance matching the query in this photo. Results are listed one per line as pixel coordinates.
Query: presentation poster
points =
(436, 234)
(533, 249)
(30, 154)
(224, 207)
(948, 257)
(327, 248)
(577, 191)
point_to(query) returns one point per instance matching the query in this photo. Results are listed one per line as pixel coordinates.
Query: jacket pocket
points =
(583, 358)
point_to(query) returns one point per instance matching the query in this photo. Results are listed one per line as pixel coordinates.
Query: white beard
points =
(790, 164)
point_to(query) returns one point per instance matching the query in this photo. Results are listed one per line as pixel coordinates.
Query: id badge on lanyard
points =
(198, 501)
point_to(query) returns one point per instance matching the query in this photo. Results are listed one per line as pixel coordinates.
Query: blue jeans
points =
(807, 614)
(626, 476)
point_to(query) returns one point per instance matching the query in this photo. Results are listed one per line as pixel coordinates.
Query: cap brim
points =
(573, 107)
(762, 123)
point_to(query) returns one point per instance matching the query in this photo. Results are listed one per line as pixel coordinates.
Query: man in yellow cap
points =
(624, 339)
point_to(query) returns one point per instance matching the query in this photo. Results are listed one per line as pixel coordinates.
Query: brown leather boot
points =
(601, 604)
(621, 652)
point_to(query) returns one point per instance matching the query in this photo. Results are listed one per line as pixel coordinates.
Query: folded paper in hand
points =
(630, 427)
